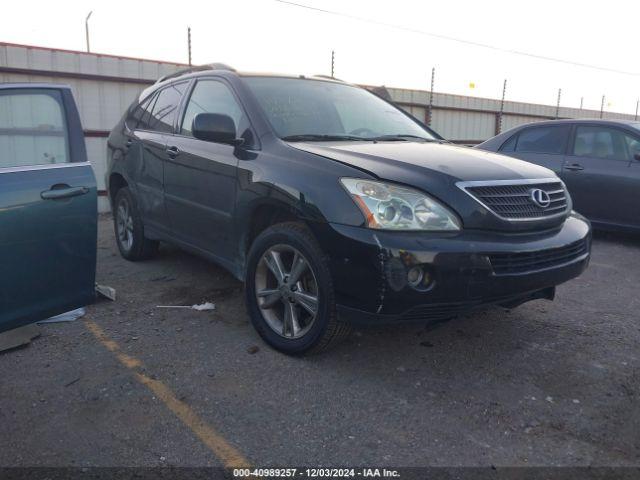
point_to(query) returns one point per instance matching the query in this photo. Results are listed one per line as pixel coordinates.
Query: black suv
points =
(333, 205)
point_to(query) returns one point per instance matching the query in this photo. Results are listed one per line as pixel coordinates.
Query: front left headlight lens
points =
(392, 207)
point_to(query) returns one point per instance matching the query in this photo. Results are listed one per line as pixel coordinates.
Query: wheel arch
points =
(264, 214)
(117, 181)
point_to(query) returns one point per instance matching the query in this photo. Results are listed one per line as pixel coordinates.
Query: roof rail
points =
(329, 77)
(197, 68)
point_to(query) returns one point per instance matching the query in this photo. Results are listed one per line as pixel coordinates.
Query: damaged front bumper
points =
(457, 272)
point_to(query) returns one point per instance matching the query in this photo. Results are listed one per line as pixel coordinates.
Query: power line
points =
(460, 40)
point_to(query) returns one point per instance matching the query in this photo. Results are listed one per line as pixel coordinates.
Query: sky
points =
(376, 42)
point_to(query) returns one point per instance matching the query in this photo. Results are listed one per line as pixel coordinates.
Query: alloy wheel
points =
(124, 224)
(287, 291)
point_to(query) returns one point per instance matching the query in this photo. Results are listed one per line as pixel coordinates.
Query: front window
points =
(605, 143)
(307, 108)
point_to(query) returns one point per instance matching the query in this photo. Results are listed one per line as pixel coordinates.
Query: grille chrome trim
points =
(465, 185)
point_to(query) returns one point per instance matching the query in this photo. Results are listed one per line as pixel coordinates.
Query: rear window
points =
(33, 128)
(549, 140)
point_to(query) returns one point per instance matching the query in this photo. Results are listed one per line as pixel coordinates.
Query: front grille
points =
(526, 262)
(513, 201)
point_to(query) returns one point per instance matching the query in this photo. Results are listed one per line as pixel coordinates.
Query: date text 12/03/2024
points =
(315, 472)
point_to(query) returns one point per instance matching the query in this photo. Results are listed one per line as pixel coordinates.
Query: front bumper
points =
(467, 269)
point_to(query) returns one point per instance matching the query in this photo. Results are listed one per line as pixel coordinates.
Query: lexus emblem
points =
(539, 197)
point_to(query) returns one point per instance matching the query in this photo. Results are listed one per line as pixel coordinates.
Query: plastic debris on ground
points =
(201, 307)
(18, 337)
(66, 317)
(106, 292)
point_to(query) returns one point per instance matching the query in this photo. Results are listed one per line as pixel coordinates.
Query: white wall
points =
(106, 85)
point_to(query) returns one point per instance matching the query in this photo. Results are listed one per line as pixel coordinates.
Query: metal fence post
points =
(430, 109)
(333, 61)
(189, 43)
(499, 115)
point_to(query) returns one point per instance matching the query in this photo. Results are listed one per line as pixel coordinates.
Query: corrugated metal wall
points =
(105, 85)
(472, 119)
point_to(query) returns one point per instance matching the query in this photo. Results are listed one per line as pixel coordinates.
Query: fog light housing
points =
(415, 276)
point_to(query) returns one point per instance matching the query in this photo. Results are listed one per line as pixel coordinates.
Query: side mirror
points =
(215, 127)
(637, 156)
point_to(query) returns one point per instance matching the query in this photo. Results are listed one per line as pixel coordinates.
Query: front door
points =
(598, 174)
(201, 177)
(48, 207)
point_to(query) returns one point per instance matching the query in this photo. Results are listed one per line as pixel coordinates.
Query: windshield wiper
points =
(400, 137)
(313, 137)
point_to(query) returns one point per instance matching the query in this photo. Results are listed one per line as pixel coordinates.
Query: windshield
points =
(302, 109)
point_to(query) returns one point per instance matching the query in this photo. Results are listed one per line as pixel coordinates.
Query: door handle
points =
(574, 167)
(128, 143)
(63, 192)
(173, 151)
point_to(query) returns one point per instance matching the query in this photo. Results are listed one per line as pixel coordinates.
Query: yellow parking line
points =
(223, 450)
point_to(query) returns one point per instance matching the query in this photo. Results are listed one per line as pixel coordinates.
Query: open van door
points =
(48, 206)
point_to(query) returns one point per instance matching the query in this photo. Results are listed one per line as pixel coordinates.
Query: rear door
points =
(48, 206)
(597, 171)
(540, 144)
(157, 122)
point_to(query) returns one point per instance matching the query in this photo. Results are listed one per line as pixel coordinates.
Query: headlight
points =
(391, 207)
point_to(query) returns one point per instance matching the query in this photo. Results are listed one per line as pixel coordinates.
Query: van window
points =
(33, 128)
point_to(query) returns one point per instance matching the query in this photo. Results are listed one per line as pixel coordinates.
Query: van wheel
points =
(289, 291)
(129, 229)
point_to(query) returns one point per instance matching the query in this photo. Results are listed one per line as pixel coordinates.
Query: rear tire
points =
(129, 228)
(294, 310)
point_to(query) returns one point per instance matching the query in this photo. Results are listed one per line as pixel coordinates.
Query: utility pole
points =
(581, 102)
(602, 107)
(189, 43)
(499, 117)
(637, 105)
(430, 110)
(333, 62)
(86, 29)
(558, 103)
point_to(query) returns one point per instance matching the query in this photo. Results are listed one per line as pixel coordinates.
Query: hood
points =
(403, 160)
(435, 169)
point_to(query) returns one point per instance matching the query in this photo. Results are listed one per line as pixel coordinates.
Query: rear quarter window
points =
(33, 128)
(546, 139)
(509, 145)
(136, 118)
(165, 108)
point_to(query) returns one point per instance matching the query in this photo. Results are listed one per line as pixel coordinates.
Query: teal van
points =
(48, 205)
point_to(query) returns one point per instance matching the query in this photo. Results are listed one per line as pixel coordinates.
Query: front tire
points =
(129, 228)
(289, 291)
